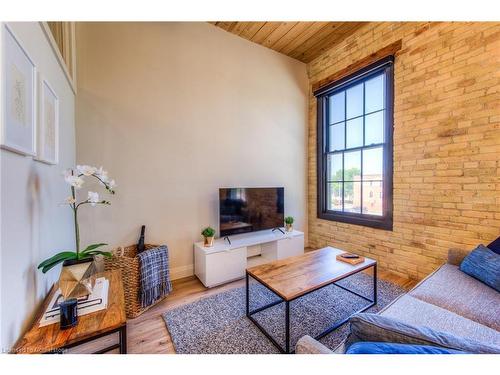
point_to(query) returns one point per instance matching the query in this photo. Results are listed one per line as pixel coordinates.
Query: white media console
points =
(224, 262)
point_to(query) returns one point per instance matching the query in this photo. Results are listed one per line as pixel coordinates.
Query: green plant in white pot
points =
(289, 223)
(78, 265)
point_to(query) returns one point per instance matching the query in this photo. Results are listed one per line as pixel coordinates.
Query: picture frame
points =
(18, 128)
(48, 123)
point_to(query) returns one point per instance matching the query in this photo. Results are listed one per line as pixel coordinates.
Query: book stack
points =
(95, 301)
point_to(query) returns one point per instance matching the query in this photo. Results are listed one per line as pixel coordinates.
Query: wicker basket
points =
(126, 260)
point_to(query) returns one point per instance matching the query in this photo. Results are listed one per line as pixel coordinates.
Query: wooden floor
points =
(148, 333)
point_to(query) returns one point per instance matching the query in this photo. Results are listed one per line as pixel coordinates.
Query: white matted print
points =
(18, 131)
(48, 129)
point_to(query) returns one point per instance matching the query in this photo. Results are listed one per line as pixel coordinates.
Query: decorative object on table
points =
(208, 234)
(97, 300)
(350, 258)
(68, 313)
(140, 244)
(18, 132)
(76, 278)
(48, 124)
(78, 267)
(289, 223)
(126, 259)
(155, 275)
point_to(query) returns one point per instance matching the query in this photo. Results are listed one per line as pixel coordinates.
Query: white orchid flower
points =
(74, 181)
(93, 198)
(70, 200)
(86, 170)
(112, 184)
(67, 172)
(102, 174)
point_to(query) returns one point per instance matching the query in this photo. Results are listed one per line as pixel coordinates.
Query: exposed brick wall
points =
(446, 143)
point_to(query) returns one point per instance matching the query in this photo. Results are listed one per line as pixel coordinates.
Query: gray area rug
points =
(218, 324)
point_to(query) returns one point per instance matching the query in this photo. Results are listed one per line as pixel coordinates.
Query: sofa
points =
(447, 301)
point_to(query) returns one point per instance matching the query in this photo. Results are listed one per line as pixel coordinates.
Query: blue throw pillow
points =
(484, 265)
(495, 246)
(368, 347)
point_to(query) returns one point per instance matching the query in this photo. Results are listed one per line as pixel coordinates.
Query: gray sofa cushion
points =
(372, 327)
(416, 312)
(484, 265)
(456, 291)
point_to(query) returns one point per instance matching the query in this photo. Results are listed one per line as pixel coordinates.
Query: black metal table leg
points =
(287, 327)
(123, 339)
(247, 295)
(375, 284)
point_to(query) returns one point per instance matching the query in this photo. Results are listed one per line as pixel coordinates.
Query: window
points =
(355, 147)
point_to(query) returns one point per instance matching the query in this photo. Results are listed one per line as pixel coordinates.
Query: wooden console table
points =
(51, 339)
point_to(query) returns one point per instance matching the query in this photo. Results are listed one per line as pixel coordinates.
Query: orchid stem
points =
(77, 229)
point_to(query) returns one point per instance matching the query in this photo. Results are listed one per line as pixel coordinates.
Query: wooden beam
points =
(389, 50)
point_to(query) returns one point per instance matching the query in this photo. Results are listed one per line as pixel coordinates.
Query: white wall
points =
(33, 224)
(176, 110)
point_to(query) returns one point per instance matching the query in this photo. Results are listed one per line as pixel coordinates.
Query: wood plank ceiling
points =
(303, 41)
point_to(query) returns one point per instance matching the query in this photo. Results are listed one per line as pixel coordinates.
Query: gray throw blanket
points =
(155, 276)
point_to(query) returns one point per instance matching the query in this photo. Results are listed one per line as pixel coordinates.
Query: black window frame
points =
(385, 221)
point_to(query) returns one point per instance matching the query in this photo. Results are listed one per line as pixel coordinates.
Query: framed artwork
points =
(48, 124)
(18, 130)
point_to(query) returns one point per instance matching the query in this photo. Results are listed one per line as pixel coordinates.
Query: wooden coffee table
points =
(294, 277)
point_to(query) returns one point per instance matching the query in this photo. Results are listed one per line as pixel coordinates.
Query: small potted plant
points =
(208, 233)
(288, 223)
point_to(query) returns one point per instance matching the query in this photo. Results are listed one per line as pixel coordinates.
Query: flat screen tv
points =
(243, 210)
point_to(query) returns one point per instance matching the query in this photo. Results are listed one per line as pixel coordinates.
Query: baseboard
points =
(180, 272)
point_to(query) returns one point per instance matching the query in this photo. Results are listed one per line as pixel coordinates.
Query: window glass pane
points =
(337, 137)
(334, 196)
(372, 197)
(374, 128)
(352, 197)
(354, 129)
(374, 94)
(337, 107)
(334, 171)
(354, 101)
(352, 166)
(373, 159)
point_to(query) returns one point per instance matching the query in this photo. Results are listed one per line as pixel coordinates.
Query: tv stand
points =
(227, 261)
(277, 228)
